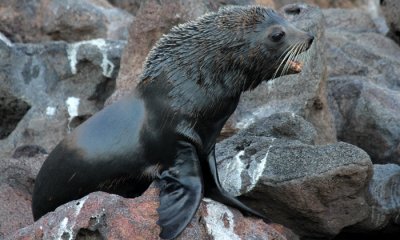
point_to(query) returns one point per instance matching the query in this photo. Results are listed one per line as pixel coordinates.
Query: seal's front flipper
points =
(215, 191)
(181, 192)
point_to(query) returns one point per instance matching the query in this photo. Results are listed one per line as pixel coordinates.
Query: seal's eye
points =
(277, 36)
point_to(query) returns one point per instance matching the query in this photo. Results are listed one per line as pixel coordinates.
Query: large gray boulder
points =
(364, 86)
(384, 200)
(316, 190)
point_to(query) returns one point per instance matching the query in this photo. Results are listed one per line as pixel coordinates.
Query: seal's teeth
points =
(295, 66)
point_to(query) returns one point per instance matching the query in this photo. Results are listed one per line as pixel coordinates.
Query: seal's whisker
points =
(285, 52)
(284, 60)
(288, 61)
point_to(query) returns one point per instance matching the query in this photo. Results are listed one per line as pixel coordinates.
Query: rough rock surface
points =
(316, 190)
(17, 176)
(131, 6)
(105, 216)
(68, 20)
(364, 70)
(326, 3)
(384, 190)
(44, 83)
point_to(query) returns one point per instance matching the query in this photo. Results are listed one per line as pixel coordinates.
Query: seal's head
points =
(230, 51)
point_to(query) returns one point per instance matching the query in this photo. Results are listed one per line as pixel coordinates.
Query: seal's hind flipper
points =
(181, 192)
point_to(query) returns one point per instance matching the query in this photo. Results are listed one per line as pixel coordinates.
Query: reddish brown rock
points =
(106, 216)
(131, 6)
(326, 3)
(16, 185)
(12, 201)
(71, 20)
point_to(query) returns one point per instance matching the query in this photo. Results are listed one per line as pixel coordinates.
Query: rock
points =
(50, 80)
(315, 190)
(303, 94)
(363, 71)
(326, 3)
(16, 186)
(368, 117)
(131, 6)
(46, 90)
(105, 216)
(384, 200)
(153, 19)
(390, 10)
(71, 20)
(353, 20)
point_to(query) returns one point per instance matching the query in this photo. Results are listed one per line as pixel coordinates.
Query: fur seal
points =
(167, 129)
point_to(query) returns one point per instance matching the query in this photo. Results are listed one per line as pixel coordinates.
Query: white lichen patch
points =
(66, 227)
(62, 229)
(72, 107)
(256, 169)
(5, 40)
(261, 112)
(232, 182)
(106, 65)
(50, 111)
(245, 122)
(219, 221)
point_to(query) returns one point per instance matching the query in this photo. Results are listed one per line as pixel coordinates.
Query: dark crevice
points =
(103, 91)
(86, 234)
(28, 151)
(12, 110)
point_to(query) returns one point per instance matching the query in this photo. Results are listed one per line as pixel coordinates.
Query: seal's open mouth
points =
(295, 66)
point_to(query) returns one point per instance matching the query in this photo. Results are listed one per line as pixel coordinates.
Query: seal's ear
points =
(181, 192)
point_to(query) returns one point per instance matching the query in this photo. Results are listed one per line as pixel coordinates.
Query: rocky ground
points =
(318, 152)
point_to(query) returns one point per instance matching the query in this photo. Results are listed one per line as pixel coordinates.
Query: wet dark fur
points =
(191, 84)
